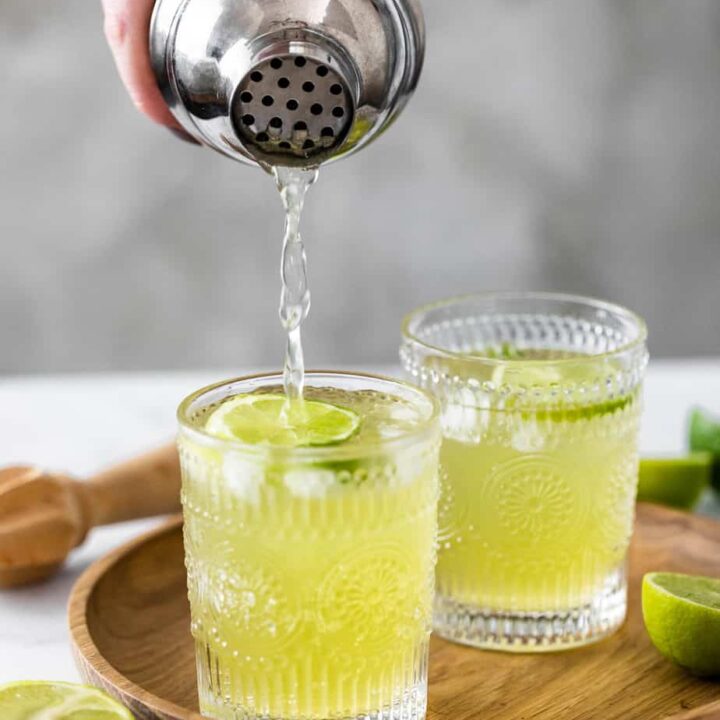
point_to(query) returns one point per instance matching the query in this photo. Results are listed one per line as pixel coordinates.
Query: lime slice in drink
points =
(58, 701)
(677, 482)
(682, 617)
(506, 351)
(273, 420)
(704, 434)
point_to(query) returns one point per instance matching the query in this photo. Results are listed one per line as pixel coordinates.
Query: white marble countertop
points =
(82, 423)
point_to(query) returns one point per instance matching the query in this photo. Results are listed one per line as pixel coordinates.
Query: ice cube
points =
(243, 477)
(309, 482)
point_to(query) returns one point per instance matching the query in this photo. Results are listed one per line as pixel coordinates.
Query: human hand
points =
(127, 23)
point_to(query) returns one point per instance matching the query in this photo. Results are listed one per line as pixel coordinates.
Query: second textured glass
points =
(540, 403)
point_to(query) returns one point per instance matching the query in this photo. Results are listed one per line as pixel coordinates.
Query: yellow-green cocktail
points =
(310, 533)
(540, 412)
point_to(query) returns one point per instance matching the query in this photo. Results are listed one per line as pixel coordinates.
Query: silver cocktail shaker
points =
(286, 82)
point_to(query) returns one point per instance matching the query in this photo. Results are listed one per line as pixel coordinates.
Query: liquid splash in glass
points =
(293, 184)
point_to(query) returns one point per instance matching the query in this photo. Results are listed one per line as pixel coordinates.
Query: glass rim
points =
(429, 425)
(409, 335)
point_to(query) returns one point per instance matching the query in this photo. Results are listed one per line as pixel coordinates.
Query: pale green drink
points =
(311, 551)
(541, 404)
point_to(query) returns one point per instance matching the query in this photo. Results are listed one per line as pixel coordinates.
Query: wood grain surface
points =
(129, 621)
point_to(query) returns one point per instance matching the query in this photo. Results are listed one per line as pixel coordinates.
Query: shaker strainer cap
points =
(286, 82)
(294, 105)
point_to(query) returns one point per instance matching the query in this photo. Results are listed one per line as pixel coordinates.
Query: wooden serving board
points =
(129, 621)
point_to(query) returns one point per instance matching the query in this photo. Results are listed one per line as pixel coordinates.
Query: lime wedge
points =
(677, 482)
(58, 701)
(506, 351)
(682, 617)
(272, 420)
(705, 437)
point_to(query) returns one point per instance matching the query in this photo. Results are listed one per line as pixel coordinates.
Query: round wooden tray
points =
(129, 621)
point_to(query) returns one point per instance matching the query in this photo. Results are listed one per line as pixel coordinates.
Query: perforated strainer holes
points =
(293, 106)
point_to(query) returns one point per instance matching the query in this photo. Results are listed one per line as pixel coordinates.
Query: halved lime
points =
(273, 420)
(678, 482)
(704, 434)
(682, 617)
(39, 700)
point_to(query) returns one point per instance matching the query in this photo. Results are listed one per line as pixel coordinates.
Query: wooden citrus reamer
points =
(43, 516)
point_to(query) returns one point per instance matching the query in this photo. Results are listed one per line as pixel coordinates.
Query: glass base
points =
(410, 705)
(529, 632)
(289, 694)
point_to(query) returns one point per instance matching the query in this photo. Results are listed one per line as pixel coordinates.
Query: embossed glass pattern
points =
(540, 400)
(310, 570)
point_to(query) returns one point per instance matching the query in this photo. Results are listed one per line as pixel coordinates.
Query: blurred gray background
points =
(554, 144)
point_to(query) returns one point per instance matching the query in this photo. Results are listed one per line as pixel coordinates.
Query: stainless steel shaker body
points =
(286, 82)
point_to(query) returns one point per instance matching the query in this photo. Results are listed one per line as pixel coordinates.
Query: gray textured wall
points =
(554, 144)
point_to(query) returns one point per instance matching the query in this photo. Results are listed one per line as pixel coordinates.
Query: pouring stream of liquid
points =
(293, 185)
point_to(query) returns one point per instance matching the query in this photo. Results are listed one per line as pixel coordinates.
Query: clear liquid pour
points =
(293, 185)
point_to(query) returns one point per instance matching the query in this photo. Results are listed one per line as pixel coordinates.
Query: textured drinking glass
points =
(540, 399)
(310, 570)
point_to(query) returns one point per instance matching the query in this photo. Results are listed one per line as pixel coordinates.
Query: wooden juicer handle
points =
(43, 516)
(143, 487)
